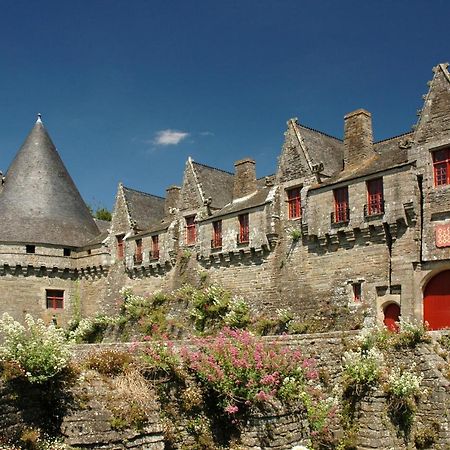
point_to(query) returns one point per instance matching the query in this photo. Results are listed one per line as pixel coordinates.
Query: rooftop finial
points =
(39, 117)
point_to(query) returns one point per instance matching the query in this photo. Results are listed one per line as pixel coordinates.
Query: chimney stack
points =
(244, 177)
(172, 197)
(358, 137)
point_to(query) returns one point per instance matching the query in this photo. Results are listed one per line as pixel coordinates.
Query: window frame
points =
(120, 246)
(54, 301)
(375, 197)
(138, 254)
(357, 292)
(191, 230)
(216, 241)
(341, 205)
(294, 203)
(442, 164)
(244, 228)
(154, 254)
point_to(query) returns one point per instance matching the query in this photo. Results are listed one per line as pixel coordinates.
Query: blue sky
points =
(129, 89)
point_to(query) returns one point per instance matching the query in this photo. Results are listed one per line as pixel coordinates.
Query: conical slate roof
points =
(40, 203)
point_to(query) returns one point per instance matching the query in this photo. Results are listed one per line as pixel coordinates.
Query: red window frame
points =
(375, 197)
(244, 234)
(138, 252)
(341, 211)
(441, 167)
(217, 234)
(155, 247)
(191, 230)
(120, 246)
(54, 298)
(294, 203)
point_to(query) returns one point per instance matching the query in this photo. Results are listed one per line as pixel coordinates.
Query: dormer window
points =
(441, 167)
(294, 203)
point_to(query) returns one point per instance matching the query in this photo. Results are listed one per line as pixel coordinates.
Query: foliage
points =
(100, 213)
(90, 330)
(213, 307)
(411, 334)
(362, 371)
(296, 234)
(108, 362)
(40, 351)
(274, 325)
(425, 437)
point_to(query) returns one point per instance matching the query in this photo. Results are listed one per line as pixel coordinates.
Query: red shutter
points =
(375, 201)
(341, 211)
(243, 229)
(217, 234)
(441, 167)
(190, 230)
(155, 247)
(294, 203)
(120, 247)
(138, 254)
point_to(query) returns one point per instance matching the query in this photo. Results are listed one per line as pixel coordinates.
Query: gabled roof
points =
(145, 210)
(215, 183)
(40, 202)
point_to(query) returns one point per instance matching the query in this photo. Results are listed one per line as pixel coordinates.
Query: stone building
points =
(344, 229)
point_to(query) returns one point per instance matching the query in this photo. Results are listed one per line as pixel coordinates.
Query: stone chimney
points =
(172, 197)
(358, 137)
(244, 177)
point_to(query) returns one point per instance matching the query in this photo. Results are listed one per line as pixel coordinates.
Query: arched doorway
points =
(391, 316)
(436, 301)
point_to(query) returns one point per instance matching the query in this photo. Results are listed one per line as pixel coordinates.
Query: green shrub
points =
(411, 334)
(41, 351)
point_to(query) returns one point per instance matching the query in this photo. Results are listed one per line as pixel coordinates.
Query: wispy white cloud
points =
(206, 133)
(169, 137)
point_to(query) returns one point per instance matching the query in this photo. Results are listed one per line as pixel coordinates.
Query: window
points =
(120, 246)
(67, 252)
(217, 234)
(191, 231)
(243, 237)
(356, 292)
(441, 167)
(30, 248)
(55, 299)
(294, 205)
(155, 247)
(375, 200)
(341, 210)
(138, 252)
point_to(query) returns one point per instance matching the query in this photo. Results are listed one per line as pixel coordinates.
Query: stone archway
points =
(436, 301)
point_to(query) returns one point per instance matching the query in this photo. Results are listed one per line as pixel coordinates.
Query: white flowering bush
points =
(362, 370)
(403, 384)
(238, 315)
(41, 351)
(91, 329)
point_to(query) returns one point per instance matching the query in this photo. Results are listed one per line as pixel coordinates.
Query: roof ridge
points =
(320, 132)
(213, 168)
(143, 193)
(394, 137)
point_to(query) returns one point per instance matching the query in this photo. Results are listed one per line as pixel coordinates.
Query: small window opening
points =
(138, 252)
(356, 292)
(55, 299)
(67, 252)
(217, 234)
(120, 246)
(30, 248)
(294, 204)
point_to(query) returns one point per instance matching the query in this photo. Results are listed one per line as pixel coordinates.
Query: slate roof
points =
(40, 203)
(323, 148)
(258, 198)
(388, 153)
(145, 209)
(216, 184)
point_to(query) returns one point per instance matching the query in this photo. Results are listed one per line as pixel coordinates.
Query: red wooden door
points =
(391, 316)
(436, 301)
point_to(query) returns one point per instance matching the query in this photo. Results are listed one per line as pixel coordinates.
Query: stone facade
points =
(280, 241)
